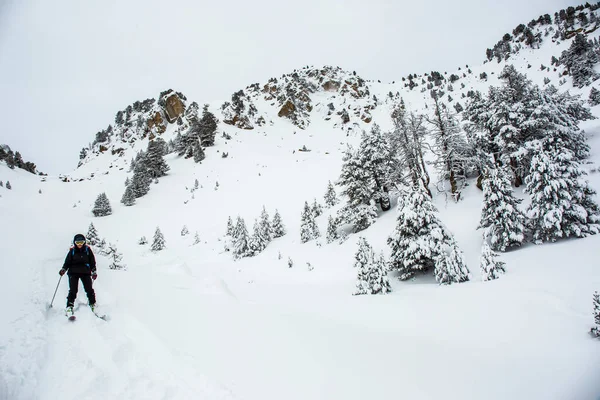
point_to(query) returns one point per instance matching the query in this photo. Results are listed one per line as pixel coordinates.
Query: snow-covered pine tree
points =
(308, 226)
(330, 197)
(116, 258)
(450, 264)
(141, 180)
(359, 189)
(277, 225)
(490, 267)
(143, 241)
(102, 206)
(207, 127)
(500, 214)
(371, 272)
(257, 242)
(196, 238)
(332, 234)
(128, 198)
(156, 165)
(184, 230)
(92, 235)
(595, 331)
(1, 184)
(229, 231)
(594, 98)
(8, 185)
(240, 239)
(317, 209)
(453, 158)
(159, 242)
(198, 152)
(562, 204)
(264, 224)
(420, 242)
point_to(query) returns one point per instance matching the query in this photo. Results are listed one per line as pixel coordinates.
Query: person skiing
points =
(80, 263)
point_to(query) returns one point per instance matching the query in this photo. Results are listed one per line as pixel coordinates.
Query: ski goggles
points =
(80, 242)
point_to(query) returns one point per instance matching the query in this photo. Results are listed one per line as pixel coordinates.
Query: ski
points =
(101, 316)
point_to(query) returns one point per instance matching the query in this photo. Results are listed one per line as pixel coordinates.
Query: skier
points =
(80, 263)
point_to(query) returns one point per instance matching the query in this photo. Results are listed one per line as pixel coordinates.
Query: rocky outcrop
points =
(331, 86)
(287, 110)
(174, 108)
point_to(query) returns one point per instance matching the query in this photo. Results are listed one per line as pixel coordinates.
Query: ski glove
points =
(62, 271)
(94, 275)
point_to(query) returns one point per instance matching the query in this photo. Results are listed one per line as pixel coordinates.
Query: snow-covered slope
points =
(190, 322)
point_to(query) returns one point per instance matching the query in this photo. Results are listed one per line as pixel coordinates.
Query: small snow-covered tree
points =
(257, 241)
(277, 226)
(8, 185)
(102, 206)
(184, 230)
(332, 234)
(595, 331)
(240, 239)
(265, 227)
(154, 161)
(128, 198)
(290, 262)
(229, 231)
(330, 197)
(142, 177)
(372, 273)
(159, 242)
(317, 209)
(1, 184)
(143, 241)
(420, 242)
(308, 226)
(594, 98)
(196, 238)
(115, 257)
(490, 267)
(562, 204)
(92, 235)
(500, 214)
(198, 152)
(450, 265)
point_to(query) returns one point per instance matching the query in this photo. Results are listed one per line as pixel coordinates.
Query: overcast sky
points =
(67, 66)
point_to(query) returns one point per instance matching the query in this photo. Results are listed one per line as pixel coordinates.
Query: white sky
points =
(66, 67)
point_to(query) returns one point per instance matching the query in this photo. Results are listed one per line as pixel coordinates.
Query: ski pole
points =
(55, 290)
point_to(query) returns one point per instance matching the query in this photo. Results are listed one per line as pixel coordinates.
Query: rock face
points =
(157, 121)
(174, 108)
(287, 109)
(331, 86)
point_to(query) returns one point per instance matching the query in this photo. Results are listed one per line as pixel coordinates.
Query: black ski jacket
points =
(80, 261)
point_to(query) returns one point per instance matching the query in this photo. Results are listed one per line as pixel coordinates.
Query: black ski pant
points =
(74, 286)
